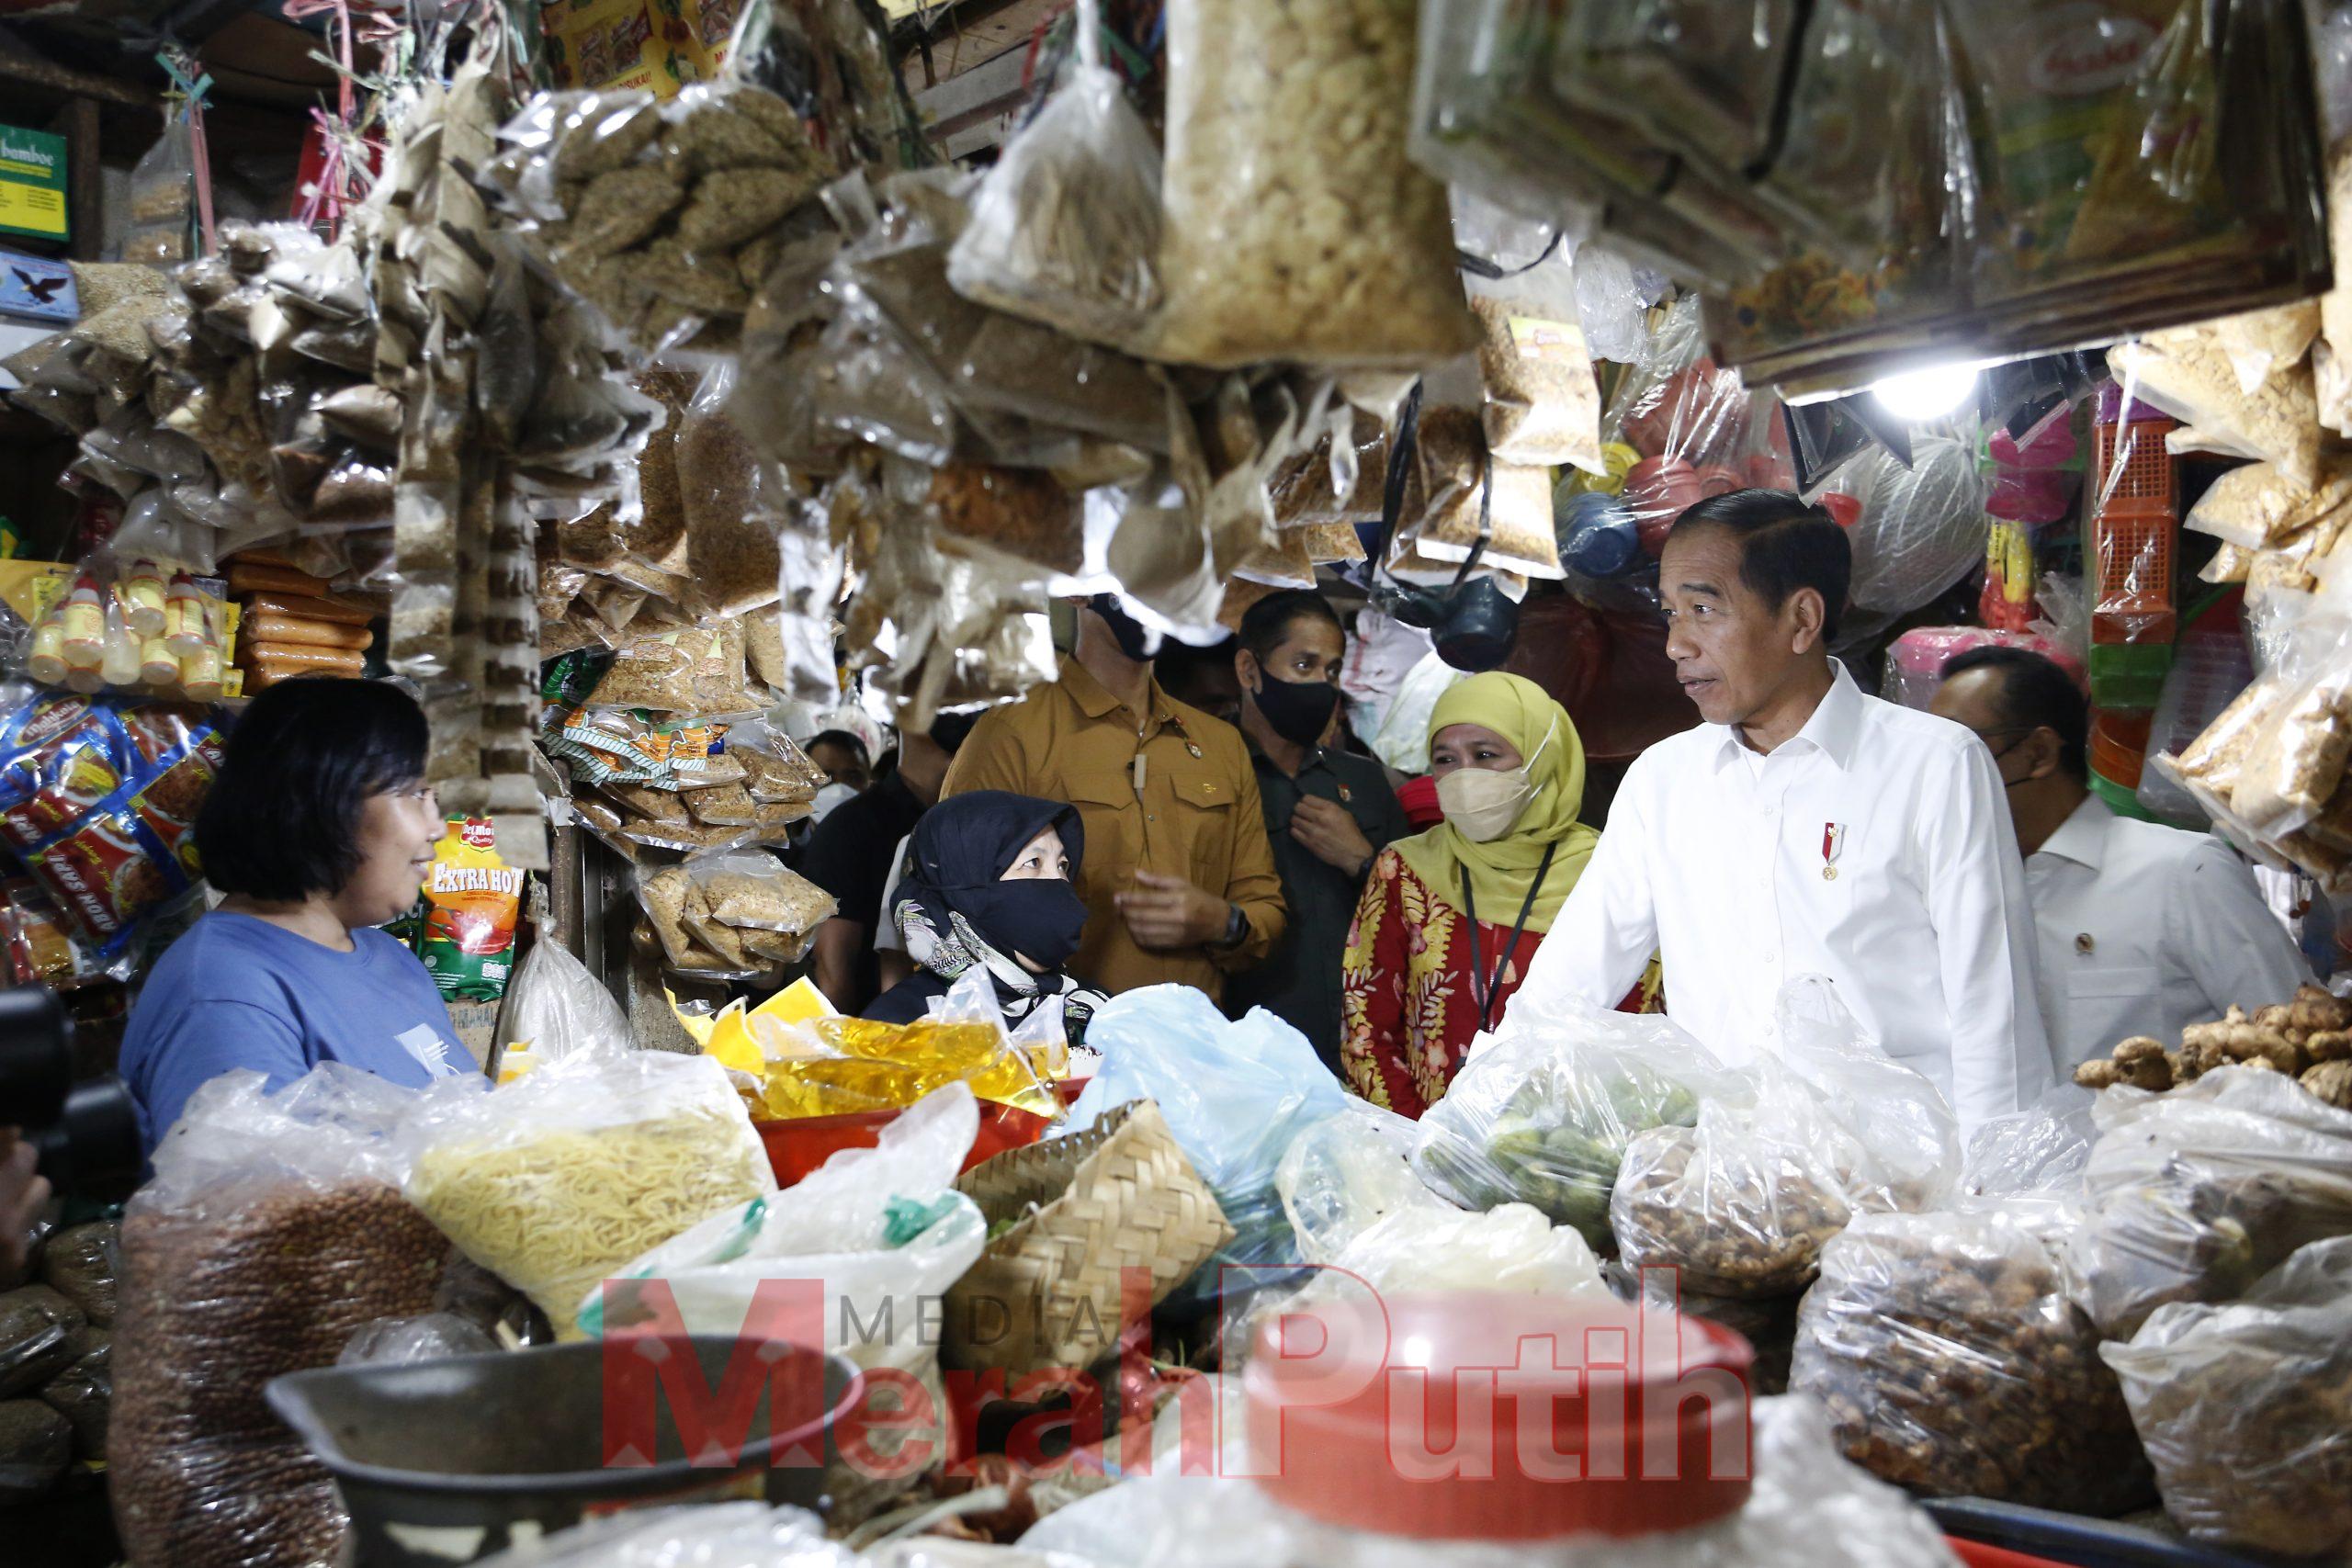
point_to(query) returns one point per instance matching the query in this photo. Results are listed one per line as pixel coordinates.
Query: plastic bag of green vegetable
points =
(1542, 1113)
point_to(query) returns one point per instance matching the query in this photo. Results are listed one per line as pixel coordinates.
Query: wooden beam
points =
(975, 138)
(975, 93)
(21, 67)
(970, 36)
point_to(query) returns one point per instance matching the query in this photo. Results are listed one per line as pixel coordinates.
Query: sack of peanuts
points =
(273, 1231)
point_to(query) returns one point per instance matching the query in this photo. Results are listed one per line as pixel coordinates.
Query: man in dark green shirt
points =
(1327, 814)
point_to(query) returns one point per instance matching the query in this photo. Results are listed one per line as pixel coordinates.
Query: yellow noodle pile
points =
(555, 1213)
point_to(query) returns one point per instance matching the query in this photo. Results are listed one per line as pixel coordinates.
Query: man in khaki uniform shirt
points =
(1178, 878)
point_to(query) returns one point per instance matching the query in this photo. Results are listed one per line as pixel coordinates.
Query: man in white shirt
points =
(1805, 828)
(2143, 929)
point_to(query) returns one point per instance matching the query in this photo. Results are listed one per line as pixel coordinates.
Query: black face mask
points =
(1041, 921)
(1298, 711)
(1133, 639)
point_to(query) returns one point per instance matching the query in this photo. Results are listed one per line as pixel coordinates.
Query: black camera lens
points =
(92, 1149)
(36, 1057)
(85, 1135)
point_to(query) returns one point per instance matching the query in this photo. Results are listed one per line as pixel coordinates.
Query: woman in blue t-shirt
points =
(320, 828)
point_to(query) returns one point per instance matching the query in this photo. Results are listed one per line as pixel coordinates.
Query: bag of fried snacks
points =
(1064, 228)
(709, 913)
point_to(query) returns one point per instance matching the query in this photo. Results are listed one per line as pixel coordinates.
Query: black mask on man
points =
(1298, 711)
(1134, 641)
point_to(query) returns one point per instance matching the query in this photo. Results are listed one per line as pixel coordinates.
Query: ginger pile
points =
(2308, 1039)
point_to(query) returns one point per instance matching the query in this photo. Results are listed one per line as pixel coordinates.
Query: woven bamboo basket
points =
(1089, 1207)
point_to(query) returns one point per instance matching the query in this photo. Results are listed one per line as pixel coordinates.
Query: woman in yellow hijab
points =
(1450, 919)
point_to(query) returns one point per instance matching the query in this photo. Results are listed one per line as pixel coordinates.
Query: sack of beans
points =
(274, 1230)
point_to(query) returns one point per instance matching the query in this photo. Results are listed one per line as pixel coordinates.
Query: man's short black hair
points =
(845, 740)
(2036, 695)
(1265, 624)
(1784, 546)
(282, 820)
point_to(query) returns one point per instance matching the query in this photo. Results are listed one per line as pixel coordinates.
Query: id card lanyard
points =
(1485, 987)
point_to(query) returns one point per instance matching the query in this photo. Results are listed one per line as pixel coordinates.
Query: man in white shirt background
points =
(1805, 828)
(2141, 929)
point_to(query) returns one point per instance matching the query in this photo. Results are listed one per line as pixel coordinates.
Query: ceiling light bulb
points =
(1930, 393)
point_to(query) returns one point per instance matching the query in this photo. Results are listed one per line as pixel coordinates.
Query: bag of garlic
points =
(1295, 226)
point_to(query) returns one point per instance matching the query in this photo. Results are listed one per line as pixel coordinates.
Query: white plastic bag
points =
(1065, 227)
(1435, 1247)
(556, 1009)
(882, 1228)
(2246, 1409)
(1347, 1173)
(1921, 528)
(1899, 1144)
(2038, 1152)
(397, 1341)
(883, 1233)
(2194, 1193)
(1827, 1128)
(555, 1180)
(1740, 1204)
(708, 1535)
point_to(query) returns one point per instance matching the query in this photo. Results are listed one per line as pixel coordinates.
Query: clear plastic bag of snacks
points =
(1065, 226)
(1542, 401)
(1295, 227)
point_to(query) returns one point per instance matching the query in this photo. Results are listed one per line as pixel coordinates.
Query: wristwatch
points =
(1236, 927)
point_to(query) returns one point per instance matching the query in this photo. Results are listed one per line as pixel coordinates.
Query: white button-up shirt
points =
(2144, 929)
(1875, 847)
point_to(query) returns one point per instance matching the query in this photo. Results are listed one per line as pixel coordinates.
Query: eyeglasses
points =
(2023, 731)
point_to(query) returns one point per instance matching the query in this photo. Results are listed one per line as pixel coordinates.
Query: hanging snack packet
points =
(473, 901)
(1065, 226)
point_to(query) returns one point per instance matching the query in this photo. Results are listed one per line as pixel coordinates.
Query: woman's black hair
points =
(1267, 622)
(282, 820)
(2036, 693)
(1784, 545)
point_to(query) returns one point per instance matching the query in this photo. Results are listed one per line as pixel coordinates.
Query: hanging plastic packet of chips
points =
(473, 903)
(97, 800)
(662, 216)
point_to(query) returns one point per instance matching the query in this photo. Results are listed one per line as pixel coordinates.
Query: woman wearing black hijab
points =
(988, 884)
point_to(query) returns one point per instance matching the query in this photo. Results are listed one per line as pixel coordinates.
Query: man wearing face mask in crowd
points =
(1451, 917)
(1179, 881)
(1805, 828)
(2143, 929)
(1327, 814)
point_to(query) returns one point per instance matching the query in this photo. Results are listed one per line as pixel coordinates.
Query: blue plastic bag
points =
(1235, 1095)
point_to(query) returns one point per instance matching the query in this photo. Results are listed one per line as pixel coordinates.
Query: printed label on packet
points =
(473, 902)
(1558, 343)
